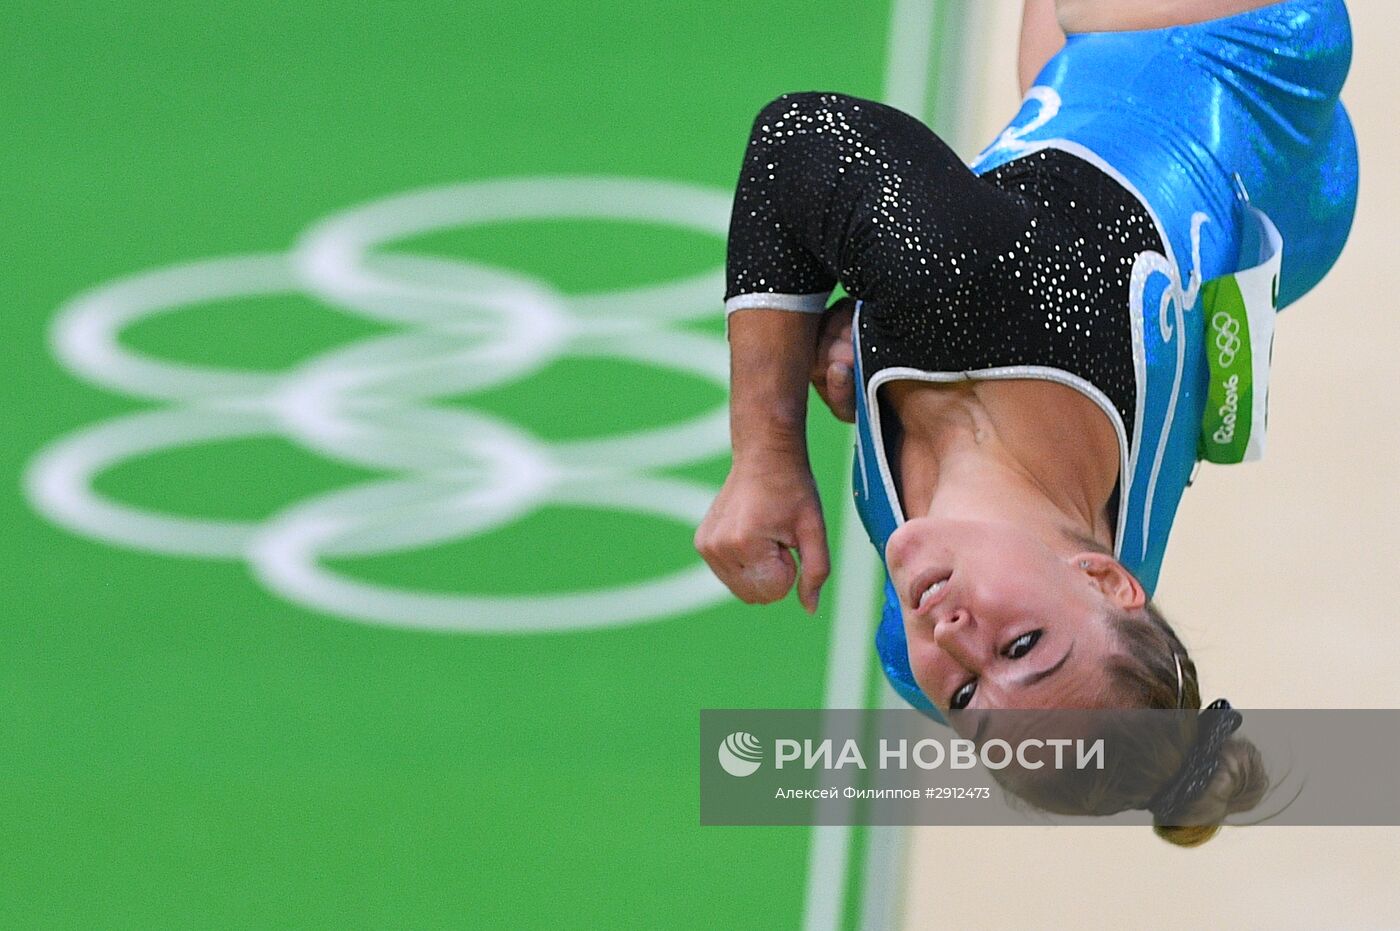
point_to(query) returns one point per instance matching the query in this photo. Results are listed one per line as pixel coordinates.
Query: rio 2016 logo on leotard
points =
(1226, 328)
(1227, 338)
(1229, 411)
(445, 472)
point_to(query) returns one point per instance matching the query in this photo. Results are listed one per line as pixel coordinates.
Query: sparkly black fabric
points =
(1027, 265)
(1217, 722)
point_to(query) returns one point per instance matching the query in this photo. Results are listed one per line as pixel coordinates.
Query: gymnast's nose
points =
(956, 633)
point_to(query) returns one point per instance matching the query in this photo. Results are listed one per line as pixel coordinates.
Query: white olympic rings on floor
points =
(460, 327)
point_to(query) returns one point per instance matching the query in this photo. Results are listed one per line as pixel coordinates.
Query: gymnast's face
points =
(997, 617)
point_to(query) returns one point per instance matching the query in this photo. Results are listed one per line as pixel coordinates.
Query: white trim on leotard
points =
(997, 373)
(1128, 453)
(1136, 325)
(798, 303)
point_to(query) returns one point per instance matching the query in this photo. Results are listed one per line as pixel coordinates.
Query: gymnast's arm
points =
(1041, 38)
(768, 505)
(808, 209)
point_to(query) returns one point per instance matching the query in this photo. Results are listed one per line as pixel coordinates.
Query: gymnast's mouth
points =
(929, 588)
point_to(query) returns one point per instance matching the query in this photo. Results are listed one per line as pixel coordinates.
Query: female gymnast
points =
(1036, 352)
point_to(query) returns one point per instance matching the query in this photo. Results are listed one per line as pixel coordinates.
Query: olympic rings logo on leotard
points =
(462, 327)
(1227, 337)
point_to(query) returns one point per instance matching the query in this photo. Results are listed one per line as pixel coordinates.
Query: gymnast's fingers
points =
(768, 579)
(816, 561)
(839, 391)
(755, 569)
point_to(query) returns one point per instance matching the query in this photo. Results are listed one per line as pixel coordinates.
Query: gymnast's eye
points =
(1022, 645)
(962, 696)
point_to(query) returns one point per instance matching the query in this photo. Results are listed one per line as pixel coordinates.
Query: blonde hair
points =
(1152, 672)
(1239, 784)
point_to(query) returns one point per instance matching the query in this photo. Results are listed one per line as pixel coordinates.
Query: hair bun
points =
(1214, 725)
(1239, 783)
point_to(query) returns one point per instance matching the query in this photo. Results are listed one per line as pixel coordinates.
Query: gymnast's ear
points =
(1112, 579)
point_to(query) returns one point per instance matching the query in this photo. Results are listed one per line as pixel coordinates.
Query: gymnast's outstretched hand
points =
(763, 513)
(833, 367)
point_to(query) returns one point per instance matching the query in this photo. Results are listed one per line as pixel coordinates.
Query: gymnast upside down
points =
(1025, 354)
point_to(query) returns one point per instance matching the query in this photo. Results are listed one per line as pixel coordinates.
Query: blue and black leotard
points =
(1074, 248)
